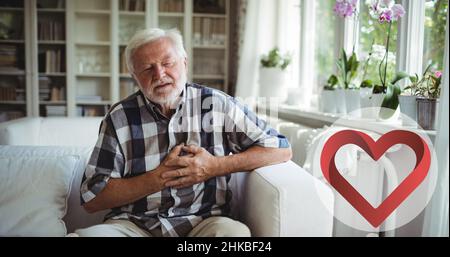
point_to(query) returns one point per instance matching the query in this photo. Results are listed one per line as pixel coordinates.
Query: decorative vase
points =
(272, 84)
(426, 112)
(408, 107)
(327, 101)
(353, 102)
(339, 96)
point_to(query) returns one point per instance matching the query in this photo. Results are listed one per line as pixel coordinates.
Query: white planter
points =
(339, 96)
(376, 100)
(272, 83)
(408, 107)
(294, 96)
(327, 101)
(364, 95)
(352, 101)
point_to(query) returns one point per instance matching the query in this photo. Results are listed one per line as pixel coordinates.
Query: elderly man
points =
(163, 159)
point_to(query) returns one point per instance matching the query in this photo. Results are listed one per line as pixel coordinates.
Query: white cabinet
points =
(68, 55)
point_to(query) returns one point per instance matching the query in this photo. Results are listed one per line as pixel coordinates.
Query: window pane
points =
(325, 60)
(435, 22)
(290, 38)
(373, 38)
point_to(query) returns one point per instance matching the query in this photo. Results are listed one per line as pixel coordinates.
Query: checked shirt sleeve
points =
(106, 161)
(244, 129)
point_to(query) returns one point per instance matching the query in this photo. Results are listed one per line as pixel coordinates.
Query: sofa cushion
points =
(33, 194)
(76, 216)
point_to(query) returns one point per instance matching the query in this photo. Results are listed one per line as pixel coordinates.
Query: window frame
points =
(410, 42)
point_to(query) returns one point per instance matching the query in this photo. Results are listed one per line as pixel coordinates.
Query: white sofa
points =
(278, 200)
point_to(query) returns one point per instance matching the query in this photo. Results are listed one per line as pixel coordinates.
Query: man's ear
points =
(185, 61)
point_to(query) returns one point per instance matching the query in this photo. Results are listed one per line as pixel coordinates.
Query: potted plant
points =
(407, 99)
(328, 97)
(428, 99)
(348, 71)
(272, 74)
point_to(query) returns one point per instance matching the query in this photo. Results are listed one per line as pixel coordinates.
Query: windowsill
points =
(316, 119)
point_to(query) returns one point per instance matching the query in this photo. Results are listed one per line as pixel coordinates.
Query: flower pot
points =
(364, 94)
(376, 100)
(339, 96)
(408, 107)
(426, 112)
(272, 83)
(353, 101)
(327, 101)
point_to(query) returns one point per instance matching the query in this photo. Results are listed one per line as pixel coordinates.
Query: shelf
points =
(125, 76)
(133, 14)
(12, 41)
(317, 119)
(93, 103)
(93, 75)
(12, 73)
(51, 10)
(93, 12)
(171, 14)
(206, 15)
(209, 47)
(52, 102)
(93, 43)
(52, 42)
(209, 76)
(55, 74)
(12, 9)
(13, 102)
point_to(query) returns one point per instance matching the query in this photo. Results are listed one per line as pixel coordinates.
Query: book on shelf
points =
(8, 57)
(208, 6)
(209, 31)
(51, 30)
(89, 98)
(92, 111)
(123, 63)
(50, 61)
(7, 94)
(59, 4)
(171, 6)
(132, 5)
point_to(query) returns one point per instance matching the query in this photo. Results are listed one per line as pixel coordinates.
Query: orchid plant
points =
(385, 12)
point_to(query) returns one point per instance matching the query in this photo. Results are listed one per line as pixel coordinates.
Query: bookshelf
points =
(66, 57)
(51, 55)
(14, 66)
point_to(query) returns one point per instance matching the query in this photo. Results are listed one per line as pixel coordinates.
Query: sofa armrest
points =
(285, 200)
(24, 131)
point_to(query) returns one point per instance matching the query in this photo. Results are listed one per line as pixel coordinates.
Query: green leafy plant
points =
(366, 84)
(348, 69)
(276, 60)
(428, 86)
(331, 83)
(391, 101)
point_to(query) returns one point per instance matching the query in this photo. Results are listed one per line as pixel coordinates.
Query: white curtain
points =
(436, 215)
(259, 37)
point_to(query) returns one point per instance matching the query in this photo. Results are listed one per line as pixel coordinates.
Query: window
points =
(372, 38)
(290, 36)
(325, 41)
(434, 43)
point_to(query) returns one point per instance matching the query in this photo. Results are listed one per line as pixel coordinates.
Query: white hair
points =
(145, 36)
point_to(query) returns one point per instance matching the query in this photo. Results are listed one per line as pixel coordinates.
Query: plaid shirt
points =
(135, 138)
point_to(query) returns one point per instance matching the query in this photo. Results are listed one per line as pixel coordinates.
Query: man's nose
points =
(159, 72)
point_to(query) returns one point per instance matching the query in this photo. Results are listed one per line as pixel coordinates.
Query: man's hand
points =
(198, 167)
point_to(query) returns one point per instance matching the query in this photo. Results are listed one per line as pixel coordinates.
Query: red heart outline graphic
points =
(375, 149)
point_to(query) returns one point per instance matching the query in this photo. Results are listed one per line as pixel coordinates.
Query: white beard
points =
(171, 99)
